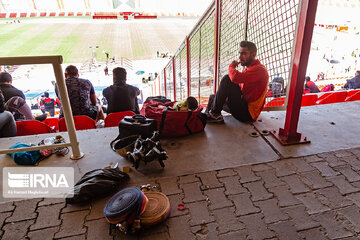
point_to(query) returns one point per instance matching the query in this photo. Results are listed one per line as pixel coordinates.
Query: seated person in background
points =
(21, 110)
(48, 104)
(121, 96)
(7, 88)
(328, 88)
(189, 104)
(7, 122)
(277, 86)
(353, 83)
(244, 91)
(310, 85)
(81, 95)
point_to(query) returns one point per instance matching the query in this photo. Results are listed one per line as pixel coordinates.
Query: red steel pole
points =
(288, 134)
(217, 43)
(188, 65)
(165, 81)
(159, 79)
(174, 77)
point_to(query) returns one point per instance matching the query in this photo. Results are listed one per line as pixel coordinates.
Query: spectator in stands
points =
(57, 101)
(244, 91)
(277, 86)
(21, 110)
(310, 85)
(121, 96)
(42, 107)
(106, 71)
(7, 88)
(7, 122)
(328, 88)
(81, 95)
(353, 83)
(48, 104)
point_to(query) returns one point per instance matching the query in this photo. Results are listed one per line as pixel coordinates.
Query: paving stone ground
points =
(313, 197)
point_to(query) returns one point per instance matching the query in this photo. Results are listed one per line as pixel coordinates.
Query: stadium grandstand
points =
(292, 173)
(32, 8)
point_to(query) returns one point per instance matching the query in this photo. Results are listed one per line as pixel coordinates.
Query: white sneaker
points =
(214, 118)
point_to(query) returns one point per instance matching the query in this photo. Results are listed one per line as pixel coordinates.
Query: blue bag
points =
(24, 158)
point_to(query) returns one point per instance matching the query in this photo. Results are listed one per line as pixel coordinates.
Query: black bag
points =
(137, 125)
(161, 99)
(97, 184)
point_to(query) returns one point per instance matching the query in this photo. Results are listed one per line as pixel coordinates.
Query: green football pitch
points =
(136, 39)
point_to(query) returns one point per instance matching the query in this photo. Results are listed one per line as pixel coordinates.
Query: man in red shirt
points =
(48, 104)
(310, 85)
(241, 93)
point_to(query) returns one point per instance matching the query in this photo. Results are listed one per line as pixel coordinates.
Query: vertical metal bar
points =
(174, 77)
(188, 65)
(155, 87)
(289, 134)
(165, 81)
(159, 85)
(58, 4)
(34, 5)
(246, 18)
(65, 104)
(217, 42)
(199, 81)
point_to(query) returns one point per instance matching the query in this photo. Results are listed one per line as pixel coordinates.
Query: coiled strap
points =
(124, 204)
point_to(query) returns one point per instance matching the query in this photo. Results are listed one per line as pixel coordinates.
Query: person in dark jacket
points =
(7, 121)
(310, 85)
(8, 90)
(82, 95)
(353, 83)
(121, 96)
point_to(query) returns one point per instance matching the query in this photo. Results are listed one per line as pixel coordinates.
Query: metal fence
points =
(271, 24)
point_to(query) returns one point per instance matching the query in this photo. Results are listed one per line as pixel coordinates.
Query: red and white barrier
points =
(72, 14)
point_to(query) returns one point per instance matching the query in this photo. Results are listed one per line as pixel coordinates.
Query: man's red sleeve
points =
(240, 77)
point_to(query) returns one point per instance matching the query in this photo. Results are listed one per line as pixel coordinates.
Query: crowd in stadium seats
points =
(16, 117)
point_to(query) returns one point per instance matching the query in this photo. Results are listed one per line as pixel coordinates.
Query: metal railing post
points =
(65, 104)
(217, 42)
(165, 82)
(159, 85)
(289, 135)
(246, 23)
(174, 77)
(188, 65)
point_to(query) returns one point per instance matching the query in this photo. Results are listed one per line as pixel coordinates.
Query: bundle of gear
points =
(35, 156)
(147, 150)
(53, 140)
(133, 208)
(137, 149)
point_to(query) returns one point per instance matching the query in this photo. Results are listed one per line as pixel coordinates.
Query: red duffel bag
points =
(173, 123)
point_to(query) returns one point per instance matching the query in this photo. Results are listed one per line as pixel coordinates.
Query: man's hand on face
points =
(236, 63)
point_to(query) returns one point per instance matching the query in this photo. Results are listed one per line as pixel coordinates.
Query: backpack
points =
(172, 123)
(136, 125)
